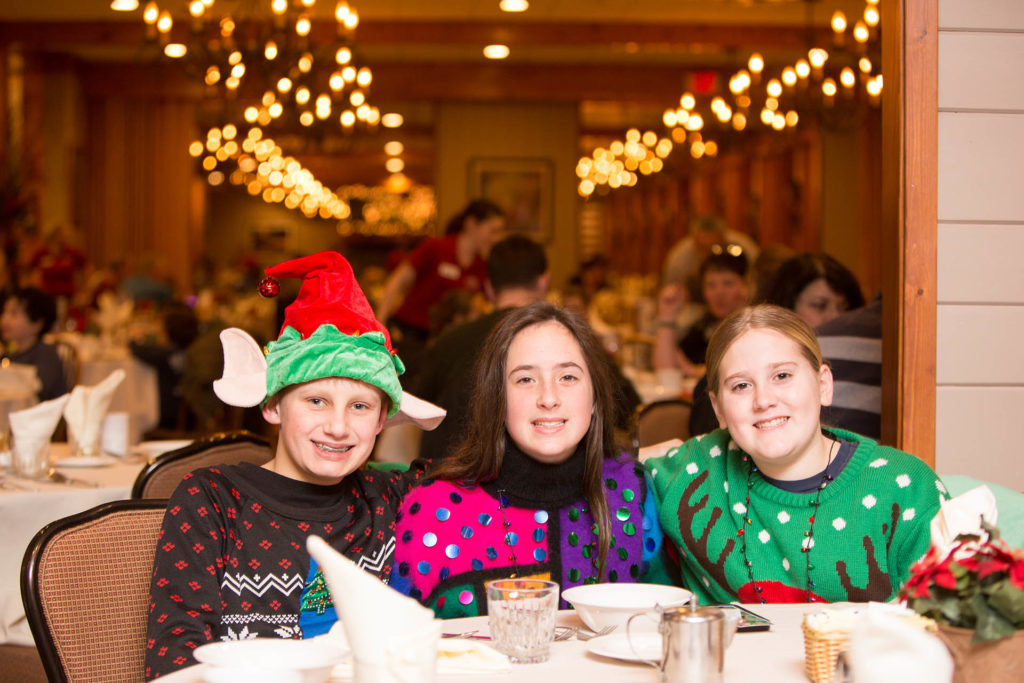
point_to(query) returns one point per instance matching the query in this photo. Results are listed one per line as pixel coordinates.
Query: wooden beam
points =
(583, 33)
(383, 33)
(910, 215)
(438, 81)
(527, 82)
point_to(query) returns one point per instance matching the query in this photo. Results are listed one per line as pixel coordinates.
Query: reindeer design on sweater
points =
(871, 524)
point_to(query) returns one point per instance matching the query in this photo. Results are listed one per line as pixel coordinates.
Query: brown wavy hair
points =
(479, 455)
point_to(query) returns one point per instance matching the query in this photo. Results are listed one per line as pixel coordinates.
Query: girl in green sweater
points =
(774, 508)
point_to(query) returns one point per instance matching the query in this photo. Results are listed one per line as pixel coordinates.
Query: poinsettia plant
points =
(978, 584)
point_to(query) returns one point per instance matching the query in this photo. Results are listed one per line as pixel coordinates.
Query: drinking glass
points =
(81, 448)
(5, 449)
(31, 457)
(521, 616)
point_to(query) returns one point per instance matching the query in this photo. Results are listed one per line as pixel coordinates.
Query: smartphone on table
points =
(749, 621)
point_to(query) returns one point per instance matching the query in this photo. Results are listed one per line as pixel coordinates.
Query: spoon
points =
(60, 478)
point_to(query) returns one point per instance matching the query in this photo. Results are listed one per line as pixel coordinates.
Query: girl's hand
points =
(670, 300)
(659, 449)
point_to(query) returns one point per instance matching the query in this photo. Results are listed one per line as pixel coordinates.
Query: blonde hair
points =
(766, 317)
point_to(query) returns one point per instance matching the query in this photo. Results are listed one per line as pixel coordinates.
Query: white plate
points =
(86, 461)
(617, 646)
(271, 659)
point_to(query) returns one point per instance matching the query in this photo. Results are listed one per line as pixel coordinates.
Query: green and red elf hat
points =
(329, 331)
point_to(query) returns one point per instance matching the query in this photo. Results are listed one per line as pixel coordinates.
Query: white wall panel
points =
(981, 263)
(980, 345)
(977, 433)
(992, 14)
(974, 72)
(981, 167)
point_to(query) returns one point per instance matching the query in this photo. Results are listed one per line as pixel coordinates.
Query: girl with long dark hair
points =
(537, 487)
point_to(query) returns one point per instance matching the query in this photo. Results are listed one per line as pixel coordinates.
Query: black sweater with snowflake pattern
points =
(231, 558)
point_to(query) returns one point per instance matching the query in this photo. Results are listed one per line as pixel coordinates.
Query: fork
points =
(13, 486)
(587, 635)
(564, 633)
(61, 478)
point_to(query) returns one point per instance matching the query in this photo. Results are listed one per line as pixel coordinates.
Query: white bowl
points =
(611, 604)
(268, 659)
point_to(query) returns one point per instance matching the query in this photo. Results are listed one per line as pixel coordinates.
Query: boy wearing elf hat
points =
(231, 560)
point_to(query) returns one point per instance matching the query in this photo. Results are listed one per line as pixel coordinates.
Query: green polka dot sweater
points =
(871, 524)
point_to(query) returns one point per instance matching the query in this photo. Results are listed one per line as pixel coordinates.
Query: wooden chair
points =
(85, 585)
(69, 359)
(660, 421)
(163, 474)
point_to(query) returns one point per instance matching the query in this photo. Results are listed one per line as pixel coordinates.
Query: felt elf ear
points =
(423, 414)
(244, 382)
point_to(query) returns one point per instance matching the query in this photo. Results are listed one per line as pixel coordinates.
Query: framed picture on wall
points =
(271, 237)
(522, 187)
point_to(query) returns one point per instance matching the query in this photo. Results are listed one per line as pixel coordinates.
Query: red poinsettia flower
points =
(991, 565)
(1017, 574)
(933, 568)
(973, 560)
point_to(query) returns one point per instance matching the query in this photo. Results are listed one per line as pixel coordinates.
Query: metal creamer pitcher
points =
(693, 644)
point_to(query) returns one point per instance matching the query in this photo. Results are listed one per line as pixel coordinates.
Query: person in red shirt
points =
(435, 267)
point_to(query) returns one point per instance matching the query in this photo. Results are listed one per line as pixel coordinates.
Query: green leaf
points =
(991, 530)
(928, 607)
(952, 612)
(1008, 600)
(991, 626)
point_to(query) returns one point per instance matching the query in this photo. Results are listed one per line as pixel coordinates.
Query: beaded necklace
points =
(502, 504)
(808, 541)
(510, 539)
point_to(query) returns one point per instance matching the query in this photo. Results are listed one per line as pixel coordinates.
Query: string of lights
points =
(819, 85)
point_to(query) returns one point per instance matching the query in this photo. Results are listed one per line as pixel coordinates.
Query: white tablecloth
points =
(138, 395)
(775, 656)
(27, 506)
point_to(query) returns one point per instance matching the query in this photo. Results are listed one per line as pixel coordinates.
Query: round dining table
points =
(27, 505)
(773, 656)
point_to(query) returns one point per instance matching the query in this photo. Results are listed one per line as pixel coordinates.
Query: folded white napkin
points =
(465, 656)
(885, 648)
(32, 428)
(393, 638)
(962, 515)
(18, 377)
(87, 406)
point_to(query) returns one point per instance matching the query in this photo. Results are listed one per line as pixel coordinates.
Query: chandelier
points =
(268, 62)
(277, 77)
(829, 86)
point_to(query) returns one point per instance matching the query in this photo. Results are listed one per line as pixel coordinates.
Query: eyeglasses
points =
(732, 249)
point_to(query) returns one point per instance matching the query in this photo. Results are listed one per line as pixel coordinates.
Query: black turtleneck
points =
(531, 484)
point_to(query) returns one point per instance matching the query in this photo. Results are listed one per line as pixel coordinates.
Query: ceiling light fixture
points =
(496, 51)
(513, 5)
(250, 50)
(781, 104)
